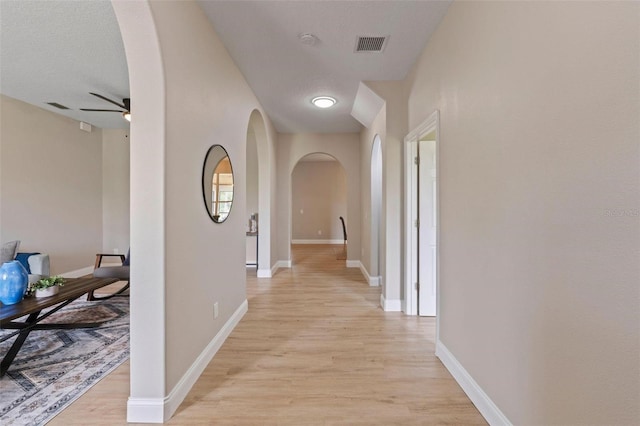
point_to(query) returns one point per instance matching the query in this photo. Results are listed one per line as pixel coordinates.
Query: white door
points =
(427, 261)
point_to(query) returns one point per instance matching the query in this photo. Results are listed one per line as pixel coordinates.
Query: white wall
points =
(115, 190)
(367, 135)
(539, 183)
(319, 198)
(51, 185)
(252, 175)
(346, 149)
(189, 95)
(265, 145)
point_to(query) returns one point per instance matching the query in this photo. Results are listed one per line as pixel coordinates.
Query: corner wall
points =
(539, 182)
(190, 96)
(115, 190)
(319, 198)
(391, 125)
(51, 185)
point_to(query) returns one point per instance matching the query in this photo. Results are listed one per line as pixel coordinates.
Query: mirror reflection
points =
(217, 183)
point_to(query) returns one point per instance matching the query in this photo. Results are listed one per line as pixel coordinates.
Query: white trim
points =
(80, 272)
(266, 273)
(145, 410)
(317, 241)
(410, 146)
(158, 410)
(391, 305)
(373, 281)
(480, 399)
(353, 263)
(284, 264)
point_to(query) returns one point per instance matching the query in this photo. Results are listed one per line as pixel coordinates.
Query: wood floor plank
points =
(314, 348)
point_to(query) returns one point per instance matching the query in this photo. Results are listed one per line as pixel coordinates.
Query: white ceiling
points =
(59, 51)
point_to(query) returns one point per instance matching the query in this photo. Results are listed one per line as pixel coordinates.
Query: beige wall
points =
(51, 185)
(391, 125)
(539, 183)
(115, 190)
(190, 95)
(346, 149)
(318, 199)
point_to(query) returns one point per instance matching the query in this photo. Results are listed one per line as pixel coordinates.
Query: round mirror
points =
(217, 183)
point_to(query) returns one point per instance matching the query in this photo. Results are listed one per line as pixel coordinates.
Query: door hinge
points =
(416, 223)
(417, 286)
(416, 161)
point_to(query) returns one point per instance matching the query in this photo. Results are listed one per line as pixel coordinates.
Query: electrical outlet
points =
(215, 310)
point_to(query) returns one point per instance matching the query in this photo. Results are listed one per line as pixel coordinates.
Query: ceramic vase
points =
(49, 291)
(13, 282)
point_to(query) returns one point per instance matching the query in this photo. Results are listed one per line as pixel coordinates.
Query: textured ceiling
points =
(59, 51)
(262, 38)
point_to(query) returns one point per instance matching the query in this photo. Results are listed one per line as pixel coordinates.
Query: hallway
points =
(314, 348)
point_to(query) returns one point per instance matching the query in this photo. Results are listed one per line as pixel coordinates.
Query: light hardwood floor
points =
(314, 348)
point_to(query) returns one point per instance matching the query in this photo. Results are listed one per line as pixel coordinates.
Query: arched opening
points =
(258, 186)
(376, 208)
(318, 201)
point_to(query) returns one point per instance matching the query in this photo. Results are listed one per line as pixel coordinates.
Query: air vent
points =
(371, 44)
(57, 105)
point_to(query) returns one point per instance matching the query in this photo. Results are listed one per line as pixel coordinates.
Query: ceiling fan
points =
(126, 105)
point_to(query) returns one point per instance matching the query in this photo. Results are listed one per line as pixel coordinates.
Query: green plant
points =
(43, 283)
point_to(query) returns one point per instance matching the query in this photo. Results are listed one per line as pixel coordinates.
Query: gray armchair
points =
(121, 272)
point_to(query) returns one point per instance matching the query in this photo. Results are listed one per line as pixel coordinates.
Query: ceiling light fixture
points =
(127, 116)
(323, 101)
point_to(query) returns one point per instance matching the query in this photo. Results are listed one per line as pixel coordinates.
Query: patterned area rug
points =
(55, 367)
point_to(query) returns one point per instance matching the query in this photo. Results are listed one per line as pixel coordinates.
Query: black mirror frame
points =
(204, 189)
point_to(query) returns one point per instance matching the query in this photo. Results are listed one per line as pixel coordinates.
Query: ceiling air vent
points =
(371, 44)
(57, 105)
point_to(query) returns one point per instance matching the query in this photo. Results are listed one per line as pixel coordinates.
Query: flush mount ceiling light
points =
(127, 116)
(323, 101)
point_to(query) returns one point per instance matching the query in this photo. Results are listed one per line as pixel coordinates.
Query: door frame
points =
(410, 305)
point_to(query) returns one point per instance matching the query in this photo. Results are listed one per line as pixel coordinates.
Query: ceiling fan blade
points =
(108, 100)
(100, 110)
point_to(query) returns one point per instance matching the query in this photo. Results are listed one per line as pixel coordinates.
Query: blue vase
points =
(13, 282)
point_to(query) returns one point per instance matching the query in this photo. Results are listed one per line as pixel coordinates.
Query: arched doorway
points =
(318, 201)
(376, 209)
(258, 186)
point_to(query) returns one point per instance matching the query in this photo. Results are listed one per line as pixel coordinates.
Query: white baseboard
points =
(390, 305)
(159, 410)
(480, 399)
(80, 272)
(264, 273)
(317, 241)
(145, 410)
(373, 281)
(86, 270)
(353, 263)
(268, 273)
